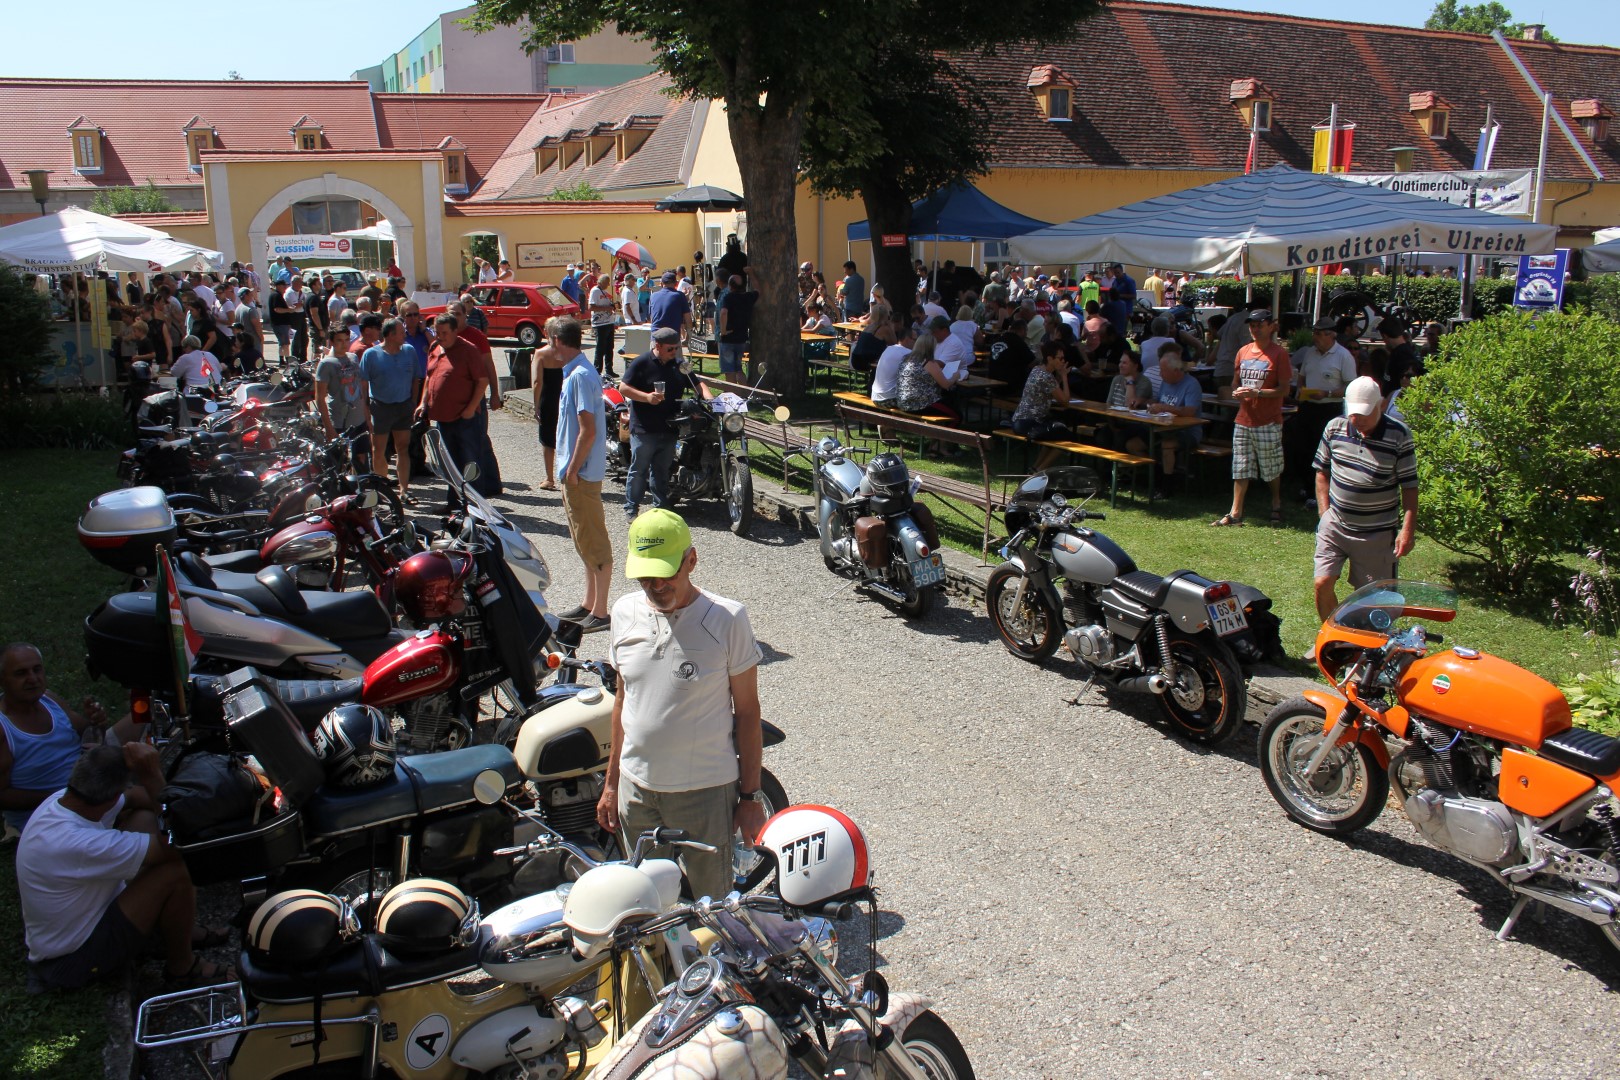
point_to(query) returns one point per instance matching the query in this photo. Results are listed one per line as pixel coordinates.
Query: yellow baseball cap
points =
(659, 540)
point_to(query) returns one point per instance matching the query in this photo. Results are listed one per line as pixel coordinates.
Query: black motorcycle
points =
(1183, 638)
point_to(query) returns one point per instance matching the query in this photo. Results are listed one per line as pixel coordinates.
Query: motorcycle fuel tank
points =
(843, 476)
(570, 738)
(417, 667)
(1090, 557)
(1485, 694)
(301, 542)
(529, 943)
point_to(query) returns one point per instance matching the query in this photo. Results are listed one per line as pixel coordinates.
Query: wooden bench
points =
(1115, 458)
(979, 496)
(860, 400)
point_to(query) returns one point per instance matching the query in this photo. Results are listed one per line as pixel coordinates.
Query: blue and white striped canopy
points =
(1285, 220)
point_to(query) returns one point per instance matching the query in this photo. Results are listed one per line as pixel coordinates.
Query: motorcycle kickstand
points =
(1091, 680)
(1513, 918)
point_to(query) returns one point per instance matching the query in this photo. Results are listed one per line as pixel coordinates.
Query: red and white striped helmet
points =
(820, 854)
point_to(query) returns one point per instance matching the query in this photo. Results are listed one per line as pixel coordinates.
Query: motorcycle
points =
(1182, 638)
(711, 450)
(1489, 767)
(873, 529)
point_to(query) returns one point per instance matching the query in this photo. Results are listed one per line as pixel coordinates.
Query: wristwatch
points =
(751, 796)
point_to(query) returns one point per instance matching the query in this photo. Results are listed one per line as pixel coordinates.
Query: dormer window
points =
(1433, 113)
(307, 134)
(1054, 92)
(199, 137)
(570, 152)
(545, 156)
(1254, 102)
(1593, 117)
(598, 147)
(455, 165)
(86, 138)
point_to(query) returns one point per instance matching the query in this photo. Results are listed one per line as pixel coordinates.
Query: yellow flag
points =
(1321, 152)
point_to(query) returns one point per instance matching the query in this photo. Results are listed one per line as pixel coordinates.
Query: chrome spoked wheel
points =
(934, 1048)
(1342, 794)
(1027, 625)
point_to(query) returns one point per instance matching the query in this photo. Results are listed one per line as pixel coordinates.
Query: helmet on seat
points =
(428, 585)
(356, 745)
(820, 854)
(887, 475)
(604, 897)
(300, 925)
(424, 914)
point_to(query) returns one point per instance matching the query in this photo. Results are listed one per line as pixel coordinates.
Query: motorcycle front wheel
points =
(1028, 627)
(1348, 790)
(1206, 700)
(934, 1048)
(740, 498)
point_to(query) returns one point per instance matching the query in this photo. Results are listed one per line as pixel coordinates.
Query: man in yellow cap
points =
(687, 741)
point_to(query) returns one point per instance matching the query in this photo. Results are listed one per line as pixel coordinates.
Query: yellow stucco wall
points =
(671, 238)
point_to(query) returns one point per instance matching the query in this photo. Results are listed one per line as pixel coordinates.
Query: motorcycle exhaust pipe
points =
(1592, 908)
(1151, 684)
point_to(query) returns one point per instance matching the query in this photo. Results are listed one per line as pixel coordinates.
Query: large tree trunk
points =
(888, 211)
(766, 143)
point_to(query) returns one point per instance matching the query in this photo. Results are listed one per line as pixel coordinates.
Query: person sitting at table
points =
(1011, 357)
(1179, 395)
(817, 321)
(1111, 349)
(1129, 389)
(880, 313)
(1212, 332)
(919, 318)
(1071, 318)
(966, 329)
(886, 372)
(869, 343)
(922, 383)
(1046, 384)
(932, 309)
(1161, 332)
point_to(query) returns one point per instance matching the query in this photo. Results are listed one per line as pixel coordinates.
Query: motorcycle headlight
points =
(734, 423)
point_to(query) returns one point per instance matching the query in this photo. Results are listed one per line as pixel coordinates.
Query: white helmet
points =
(820, 854)
(603, 898)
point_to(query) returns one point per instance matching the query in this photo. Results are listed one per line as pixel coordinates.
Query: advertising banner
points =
(1501, 191)
(534, 256)
(1541, 281)
(312, 248)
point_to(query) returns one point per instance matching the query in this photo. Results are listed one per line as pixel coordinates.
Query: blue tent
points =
(961, 214)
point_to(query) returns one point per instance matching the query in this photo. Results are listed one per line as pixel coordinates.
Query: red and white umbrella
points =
(620, 248)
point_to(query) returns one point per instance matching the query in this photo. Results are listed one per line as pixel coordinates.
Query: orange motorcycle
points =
(1481, 753)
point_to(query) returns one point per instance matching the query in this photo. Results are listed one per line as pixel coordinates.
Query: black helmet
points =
(140, 371)
(426, 914)
(887, 475)
(356, 744)
(300, 925)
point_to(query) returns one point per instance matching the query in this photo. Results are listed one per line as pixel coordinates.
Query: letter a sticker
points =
(429, 1040)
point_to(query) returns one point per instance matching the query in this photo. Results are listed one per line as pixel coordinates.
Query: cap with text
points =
(659, 541)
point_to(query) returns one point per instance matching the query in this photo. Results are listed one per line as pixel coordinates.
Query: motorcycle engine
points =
(699, 464)
(432, 724)
(1093, 644)
(1456, 807)
(570, 805)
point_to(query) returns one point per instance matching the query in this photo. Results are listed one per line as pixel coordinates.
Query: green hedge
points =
(67, 420)
(1431, 299)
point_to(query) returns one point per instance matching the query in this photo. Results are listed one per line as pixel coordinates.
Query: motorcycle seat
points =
(1143, 585)
(274, 591)
(235, 562)
(345, 616)
(444, 780)
(334, 811)
(365, 968)
(1586, 751)
(307, 699)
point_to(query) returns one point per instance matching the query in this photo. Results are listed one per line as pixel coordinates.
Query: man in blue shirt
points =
(581, 465)
(854, 300)
(669, 306)
(1124, 299)
(389, 368)
(570, 284)
(654, 385)
(1179, 395)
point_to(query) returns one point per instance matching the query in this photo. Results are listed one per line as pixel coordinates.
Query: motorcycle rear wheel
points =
(1207, 701)
(740, 498)
(1030, 630)
(934, 1048)
(919, 601)
(1351, 788)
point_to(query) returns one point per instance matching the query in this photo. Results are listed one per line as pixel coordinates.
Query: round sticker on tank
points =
(428, 1041)
(1441, 683)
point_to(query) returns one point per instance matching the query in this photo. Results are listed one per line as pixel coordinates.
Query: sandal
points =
(201, 973)
(210, 937)
(406, 500)
(1276, 515)
(547, 485)
(1226, 521)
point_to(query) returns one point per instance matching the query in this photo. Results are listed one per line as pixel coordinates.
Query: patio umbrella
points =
(620, 248)
(703, 197)
(74, 240)
(1282, 219)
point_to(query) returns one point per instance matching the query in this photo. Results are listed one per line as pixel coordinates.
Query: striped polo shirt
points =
(1367, 472)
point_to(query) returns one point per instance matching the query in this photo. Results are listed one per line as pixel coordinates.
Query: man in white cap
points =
(1366, 494)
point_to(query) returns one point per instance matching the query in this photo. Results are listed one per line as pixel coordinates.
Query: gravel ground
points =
(1147, 897)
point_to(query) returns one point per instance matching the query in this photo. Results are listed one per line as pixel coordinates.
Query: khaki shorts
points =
(1371, 555)
(582, 502)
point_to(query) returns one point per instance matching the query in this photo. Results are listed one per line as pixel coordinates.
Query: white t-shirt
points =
(225, 318)
(205, 294)
(953, 351)
(196, 368)
(1074, 323)
(886, 375)
(1150, 359)
(627, 302)
(68, 871)
(679, 729)
(931, 311)
(965, 329)
(486, 273)
(1329, 372)
(600, 315)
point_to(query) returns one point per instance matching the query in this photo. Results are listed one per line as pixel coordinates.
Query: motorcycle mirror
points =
(210, 407)
(276, 377)
(369, 500)
(470, 473)
(489, 787)
(782, 414)
(686, 367)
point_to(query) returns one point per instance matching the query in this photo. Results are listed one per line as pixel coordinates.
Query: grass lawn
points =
(49, 584)
(1175, 534)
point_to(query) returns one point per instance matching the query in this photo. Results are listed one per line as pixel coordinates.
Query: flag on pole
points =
(184, 640)
(1332, 148)
(1486, 146)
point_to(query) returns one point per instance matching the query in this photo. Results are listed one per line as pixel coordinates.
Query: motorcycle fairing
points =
(1537, 786)
(1333, 704)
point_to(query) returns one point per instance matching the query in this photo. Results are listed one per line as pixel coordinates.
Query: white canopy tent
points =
(1278, 220)
(1604, 257)
(74, 240)
(380, 231)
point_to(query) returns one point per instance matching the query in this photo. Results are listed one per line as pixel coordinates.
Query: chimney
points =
(1532, 31)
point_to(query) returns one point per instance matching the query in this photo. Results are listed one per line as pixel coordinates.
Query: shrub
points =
(131, 200)
(1595, 701)
(1511, 423)
(1599, 295)
(67, 420)
(25, 329)
(584, 191)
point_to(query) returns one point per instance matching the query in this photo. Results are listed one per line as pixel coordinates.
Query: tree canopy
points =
(131, 200)
(1477, 19)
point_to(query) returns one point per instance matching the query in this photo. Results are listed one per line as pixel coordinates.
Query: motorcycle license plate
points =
(929, 571)
(1228, 617)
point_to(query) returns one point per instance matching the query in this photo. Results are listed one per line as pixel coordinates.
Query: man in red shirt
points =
(488, 464)
(453, 395)
(1261, 380)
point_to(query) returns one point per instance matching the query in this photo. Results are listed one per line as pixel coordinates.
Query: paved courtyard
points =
(1082, 894)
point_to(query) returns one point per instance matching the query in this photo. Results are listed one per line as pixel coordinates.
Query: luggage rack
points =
(215, 1015)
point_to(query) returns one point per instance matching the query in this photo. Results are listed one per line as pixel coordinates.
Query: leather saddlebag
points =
(924, 517)
(872, 538)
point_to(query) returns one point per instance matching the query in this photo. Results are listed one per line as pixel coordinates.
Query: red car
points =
(516, 309)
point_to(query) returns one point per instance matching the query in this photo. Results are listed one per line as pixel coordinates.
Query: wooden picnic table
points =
(1156, 424)
(971, 381)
